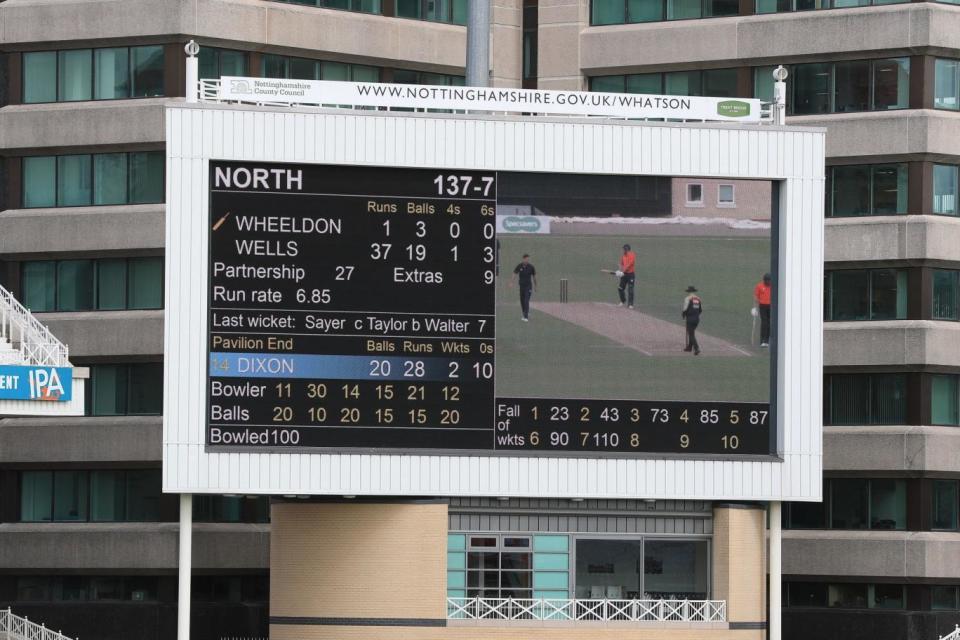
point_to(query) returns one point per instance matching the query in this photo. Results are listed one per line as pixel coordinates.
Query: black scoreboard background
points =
(354, 309)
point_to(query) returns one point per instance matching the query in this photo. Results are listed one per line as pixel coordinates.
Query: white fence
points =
(953, 635)
(587, 610)
(36, 344)
(16, 628)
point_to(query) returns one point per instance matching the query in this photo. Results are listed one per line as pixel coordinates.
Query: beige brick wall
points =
(739, 562)
(358, 560)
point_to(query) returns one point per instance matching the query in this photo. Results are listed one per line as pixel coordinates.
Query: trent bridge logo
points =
(733, 108)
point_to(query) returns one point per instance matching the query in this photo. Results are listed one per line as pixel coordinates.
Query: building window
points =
(306, 69)
(853, 503)
(452, 11)
(944, 598)
(725, 196)
(99, 179)
(211, 508)
(865, 399)
(530, 39)
(780, 6)
(93, 74)
(84, 285)
(214, 63)
(125, 389)
(866, 294)
(360, 6)
(945, 400)
(843, 87)
(867, 190)
(87, 589)
(945, 505)
(499, 566)
(230, 589)
(633, 11)
(945, 189)
(946, 295)
(405, 76)
(695, 194)
(946, 92)
(94, 496)
(719, 83)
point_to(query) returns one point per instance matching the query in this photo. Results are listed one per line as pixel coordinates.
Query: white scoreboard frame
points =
(198, 133)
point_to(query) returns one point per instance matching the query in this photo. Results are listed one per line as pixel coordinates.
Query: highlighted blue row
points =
(272, 365)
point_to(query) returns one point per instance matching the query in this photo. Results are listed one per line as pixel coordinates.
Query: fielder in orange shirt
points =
(761, 297)
(626, 271)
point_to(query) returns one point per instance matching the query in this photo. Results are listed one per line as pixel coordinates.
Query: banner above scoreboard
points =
(409, 96)
(52, 384)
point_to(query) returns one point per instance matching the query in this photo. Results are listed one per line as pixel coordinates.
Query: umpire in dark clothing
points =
(527, 279)
(692, 308)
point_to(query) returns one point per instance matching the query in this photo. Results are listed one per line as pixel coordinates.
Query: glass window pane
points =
(888, 504)
(721, 8)
(848, 292)
(647, 83)
(304, 69)
(608, 84)
(884, 295)
(852, 86)
(943, 598)
(146, 388)
(145, 283)
(75, 285)
(888, 399)
(946, 92)
(69, 496)
(682, 9)
(807, 594)
(720, 83)
(363, 73)
(946, 293)
(75, 74)
(70, 588)
(675, 570)
(39, 181)
(551, 544)
(851, 191)
(682, 83)
(109, 396)
(945, 189)
(74, 179)
(774, 6)
(39, 285)
(341, 71)
(36, 496)
(849, 399)
(725, 194)
(33, 589)
(208, 63)
(807, 515)
(945, 397)
(459, 11)
(408, 8)
(848, 504)
(232, 63)
(146, 71)
(945, 504)
(143, 495)
(644, 10)
(274, 66)
(763, 83)
(227, 508)
(110, 178)
(112, 284)
(146, 177)
(811, 88)
(106, 588)
(112, 73)
(107, 496)
(40, 76)
(608, 12)
(608, 566)
(891, 83)
(889, 189)
(886, 596)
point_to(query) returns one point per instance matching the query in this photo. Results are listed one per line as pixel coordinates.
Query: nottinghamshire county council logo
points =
(733, 108)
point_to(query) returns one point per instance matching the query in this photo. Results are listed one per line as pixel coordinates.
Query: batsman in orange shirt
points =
(626, 271)
(761, 297)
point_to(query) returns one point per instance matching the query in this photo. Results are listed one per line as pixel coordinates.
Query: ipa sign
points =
(51, 384)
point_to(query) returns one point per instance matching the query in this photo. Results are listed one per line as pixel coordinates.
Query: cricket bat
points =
(610, 271)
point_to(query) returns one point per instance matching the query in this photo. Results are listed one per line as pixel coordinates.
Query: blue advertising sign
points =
(51, 384)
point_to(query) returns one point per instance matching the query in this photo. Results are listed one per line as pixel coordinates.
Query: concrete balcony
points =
(287, 28)
(892, 449)
(891, 342)
(767, 39)
(132, 228)
(127, 439)
(886, 554)
(105, 334)
(66, 125)
(892, 238)
(127, 547)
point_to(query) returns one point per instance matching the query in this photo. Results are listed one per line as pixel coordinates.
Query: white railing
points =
(34, 342)
(587, 610)
(953, 635)
(16, 628)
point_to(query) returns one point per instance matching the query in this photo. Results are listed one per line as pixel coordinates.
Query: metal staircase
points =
(16, 628)
(25, 340)
(953, 635)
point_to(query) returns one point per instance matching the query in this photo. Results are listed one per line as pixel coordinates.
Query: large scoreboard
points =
(357, 308)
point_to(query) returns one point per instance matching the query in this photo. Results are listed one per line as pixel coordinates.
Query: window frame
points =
(125, 367)
(95, 282)
(703, 14)
(698, 203)
(956, 82)
(831, 90)
(92, 177)
(871, 380)
(872, 170)
(899, 274)
(87, 482)
(727, 204)
(831, 6)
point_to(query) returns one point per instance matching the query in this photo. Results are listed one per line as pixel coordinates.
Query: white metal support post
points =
(192, 77)
(776, 573)
(184, 567)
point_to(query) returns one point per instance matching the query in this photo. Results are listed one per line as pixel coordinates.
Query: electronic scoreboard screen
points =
(392, 309)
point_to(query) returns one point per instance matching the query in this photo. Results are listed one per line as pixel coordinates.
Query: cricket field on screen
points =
(579, 342)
